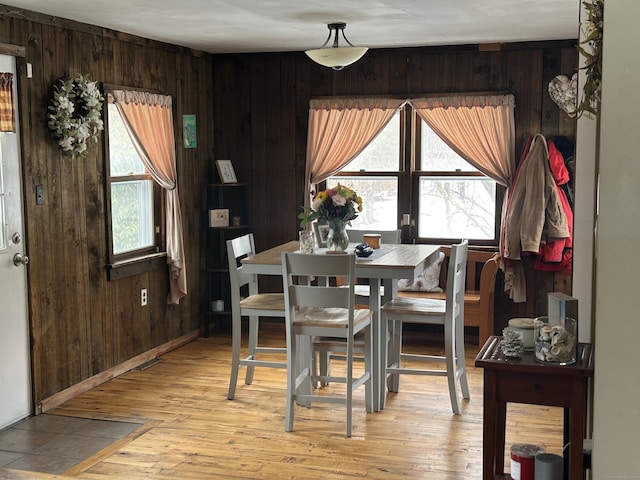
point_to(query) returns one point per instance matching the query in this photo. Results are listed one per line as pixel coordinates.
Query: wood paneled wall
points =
(254, 109)
(82, 323)
(261, 110)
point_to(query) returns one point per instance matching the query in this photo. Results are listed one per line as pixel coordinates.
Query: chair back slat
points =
(322, 297)
(301, 293)
(237, 249)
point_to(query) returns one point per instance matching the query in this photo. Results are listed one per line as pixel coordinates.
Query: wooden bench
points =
(482, 268)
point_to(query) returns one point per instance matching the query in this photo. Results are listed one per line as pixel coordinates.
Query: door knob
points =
(19, 259)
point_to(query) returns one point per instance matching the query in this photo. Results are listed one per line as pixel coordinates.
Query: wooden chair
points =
(449, 313)
(253, 306)
(319, 310)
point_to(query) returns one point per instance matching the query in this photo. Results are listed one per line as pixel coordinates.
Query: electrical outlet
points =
(143, 297)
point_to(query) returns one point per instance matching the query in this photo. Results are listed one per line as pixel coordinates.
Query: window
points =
(407, 168)
(374, 175)
(134, 206)
(455, 200)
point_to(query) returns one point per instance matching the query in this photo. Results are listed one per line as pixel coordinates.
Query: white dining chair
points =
(387, 237)
(316, 310)
(254, 305)
(333, 349)
(449, 313)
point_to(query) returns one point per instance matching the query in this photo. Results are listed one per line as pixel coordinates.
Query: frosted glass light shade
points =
(336, 57)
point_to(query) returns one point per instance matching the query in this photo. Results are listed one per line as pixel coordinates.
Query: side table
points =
(525, 380)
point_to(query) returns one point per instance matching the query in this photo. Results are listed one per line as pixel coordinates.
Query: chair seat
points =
(264, 301)
(331, 318)
(419, 306)
(471, 298)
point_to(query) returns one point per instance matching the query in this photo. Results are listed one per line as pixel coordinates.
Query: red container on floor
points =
(523, 460)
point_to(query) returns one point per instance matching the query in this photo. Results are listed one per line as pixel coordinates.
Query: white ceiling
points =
(232, 26)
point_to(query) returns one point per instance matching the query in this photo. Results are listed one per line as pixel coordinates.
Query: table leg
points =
(489, 426)
(577, 428)
(377, 330)
(501, 425)
(390, 291)
(303, 360)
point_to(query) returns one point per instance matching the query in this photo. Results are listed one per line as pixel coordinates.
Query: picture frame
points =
(226, 171)
(189, 131)
(219, 217)
(322, 232)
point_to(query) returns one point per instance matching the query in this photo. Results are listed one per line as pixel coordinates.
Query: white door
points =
(15, 360)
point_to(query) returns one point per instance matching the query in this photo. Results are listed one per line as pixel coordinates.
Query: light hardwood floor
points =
(189, 430)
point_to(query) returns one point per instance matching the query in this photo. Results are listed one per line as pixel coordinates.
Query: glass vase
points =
(337, 239)
(306, 241)
(556, 340)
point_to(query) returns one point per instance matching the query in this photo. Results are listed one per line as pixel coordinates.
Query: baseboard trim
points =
(102, 377)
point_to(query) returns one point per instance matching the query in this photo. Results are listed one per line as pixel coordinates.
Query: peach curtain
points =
(7, 112)
(148, 118)
(339, 129)
(481, 129)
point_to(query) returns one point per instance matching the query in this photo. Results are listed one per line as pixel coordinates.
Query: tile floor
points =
(54, 443)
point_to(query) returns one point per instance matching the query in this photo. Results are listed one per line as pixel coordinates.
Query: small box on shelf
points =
(219, 217)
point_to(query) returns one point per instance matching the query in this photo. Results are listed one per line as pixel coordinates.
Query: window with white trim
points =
(407, 168)
(134, 206)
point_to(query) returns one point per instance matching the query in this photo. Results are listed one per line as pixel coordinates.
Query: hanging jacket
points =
(534, 215)
(556, 253)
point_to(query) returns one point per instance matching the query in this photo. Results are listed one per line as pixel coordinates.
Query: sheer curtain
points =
(480, 129)
(339, 129)
(149, 121)
(7, 113)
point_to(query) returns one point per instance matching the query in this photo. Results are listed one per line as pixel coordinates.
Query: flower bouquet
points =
(335, 207)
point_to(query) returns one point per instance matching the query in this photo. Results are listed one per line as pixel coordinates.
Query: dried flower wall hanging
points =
(76, 107)
(591, 49)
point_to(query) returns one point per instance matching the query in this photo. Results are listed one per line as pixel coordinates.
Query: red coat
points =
(556, 254)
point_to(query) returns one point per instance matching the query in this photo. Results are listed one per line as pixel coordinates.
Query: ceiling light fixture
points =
(334, 56)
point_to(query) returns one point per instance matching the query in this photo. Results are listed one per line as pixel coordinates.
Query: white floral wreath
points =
(76, 107)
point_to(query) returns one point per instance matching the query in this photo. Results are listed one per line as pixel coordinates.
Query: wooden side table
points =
(525, 380)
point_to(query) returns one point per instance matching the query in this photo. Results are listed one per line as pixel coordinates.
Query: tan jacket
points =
(534, 205)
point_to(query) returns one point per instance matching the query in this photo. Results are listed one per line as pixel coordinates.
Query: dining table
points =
(382, 268)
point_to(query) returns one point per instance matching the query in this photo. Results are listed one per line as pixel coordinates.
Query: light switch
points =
(39, 195)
